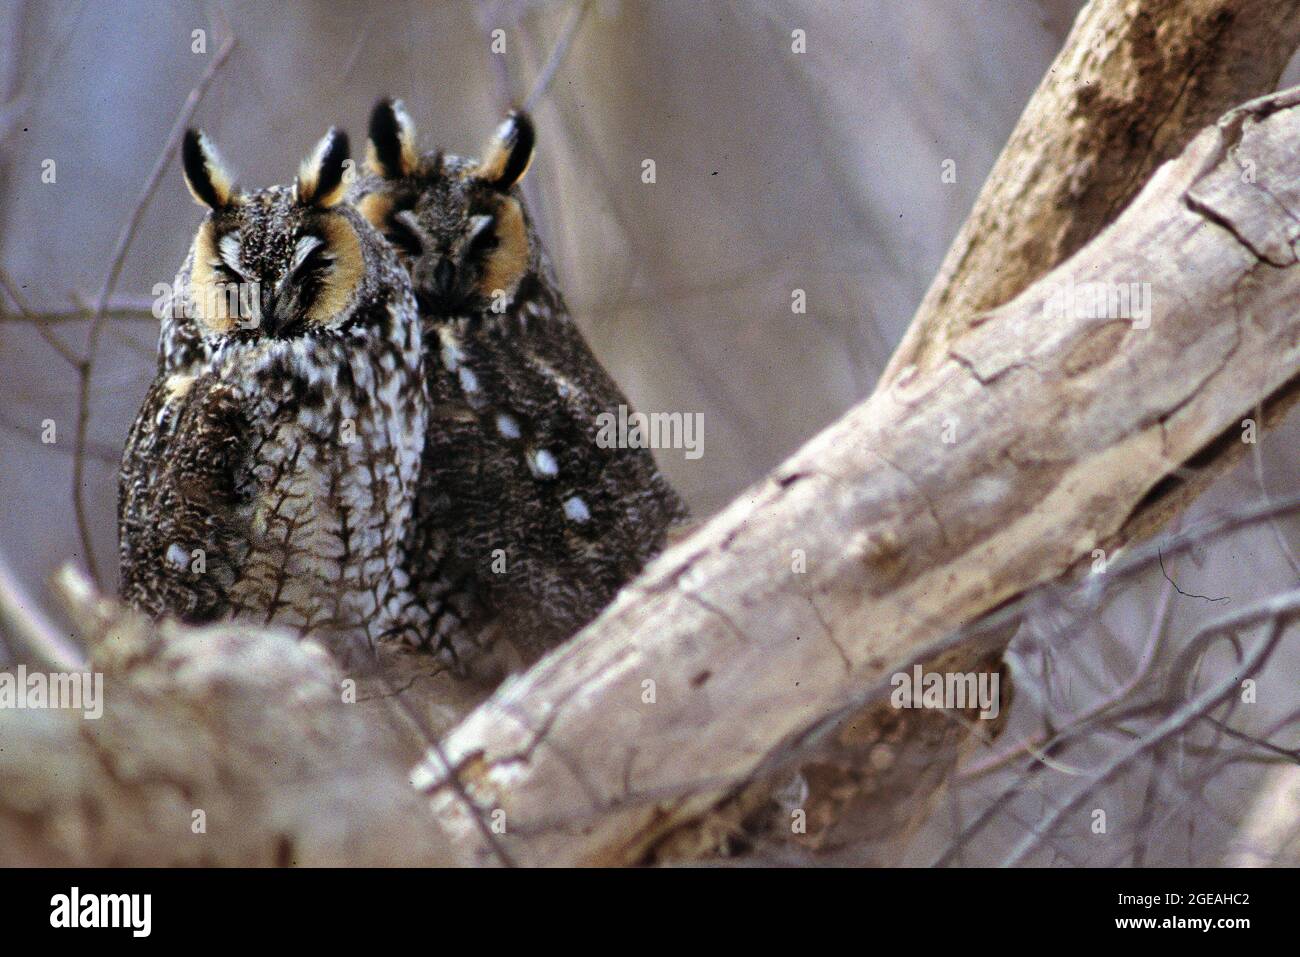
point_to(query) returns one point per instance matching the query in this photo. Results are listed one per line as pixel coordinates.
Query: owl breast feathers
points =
(271, 470)
(402, 443)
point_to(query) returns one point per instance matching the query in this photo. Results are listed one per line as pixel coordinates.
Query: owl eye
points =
(405, 234)
(482, 237)
(228, 266)
(328, 266)
(308, 273)
(310, 255)
(224, 273)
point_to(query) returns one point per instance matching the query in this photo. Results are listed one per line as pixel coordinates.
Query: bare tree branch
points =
(577, 12)
(1278, 612)
(904, 533)
(1130, 87)
(100, 311)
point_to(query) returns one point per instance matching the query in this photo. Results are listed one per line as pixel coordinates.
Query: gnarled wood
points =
(1062, 430)
(224, 745)
(1134, 82)
(1060, 427)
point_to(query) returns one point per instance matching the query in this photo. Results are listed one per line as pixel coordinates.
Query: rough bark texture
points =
(1134, 82)
(1061, 428)
(226, 745)
(1065, 436)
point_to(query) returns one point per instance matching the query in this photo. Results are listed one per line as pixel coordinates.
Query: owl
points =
(534, 522)
(271, 471)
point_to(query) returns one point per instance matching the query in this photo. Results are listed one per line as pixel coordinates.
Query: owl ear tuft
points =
(320, 177)
(391, 151)
(508, 156)
(206, 176)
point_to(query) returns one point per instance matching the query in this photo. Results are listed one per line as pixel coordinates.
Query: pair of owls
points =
(373, 415)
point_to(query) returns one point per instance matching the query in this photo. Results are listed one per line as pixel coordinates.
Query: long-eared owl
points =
(519, 507)
(271, 470)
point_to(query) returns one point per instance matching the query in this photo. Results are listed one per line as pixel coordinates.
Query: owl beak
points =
(444, 279)
(270, 313)
(279, 312)
(435, 280)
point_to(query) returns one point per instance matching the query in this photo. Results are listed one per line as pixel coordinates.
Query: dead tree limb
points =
(723, 664)
(1133, 84)
(1032, 443)
(224, 745)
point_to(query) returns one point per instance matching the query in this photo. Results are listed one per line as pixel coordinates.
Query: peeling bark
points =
(1131, 86)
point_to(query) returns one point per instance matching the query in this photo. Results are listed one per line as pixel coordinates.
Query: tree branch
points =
(1060, 426)
(1020, 442)
(1131, 86)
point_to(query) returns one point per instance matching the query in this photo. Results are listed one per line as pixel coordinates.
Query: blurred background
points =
(775, 171)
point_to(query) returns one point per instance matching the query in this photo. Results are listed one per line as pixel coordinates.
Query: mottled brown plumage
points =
(271, 471)
(534, 522)
(318, 451)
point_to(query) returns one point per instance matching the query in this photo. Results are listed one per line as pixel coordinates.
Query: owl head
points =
(459, 225)
(280, 262)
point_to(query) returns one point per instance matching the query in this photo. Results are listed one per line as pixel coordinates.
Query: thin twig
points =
(1124, 567)
(577, 14)
(350, 62)
(1278, 611)
(117, 263)
(1258, 461)
(1039, 745)
(55, 343)
(99, 451)
(1185, 594)
(27, 626)
(500, 65)
(15, 104)
(125, 310)
(1193, 789)
(147, 352)
(457, 785)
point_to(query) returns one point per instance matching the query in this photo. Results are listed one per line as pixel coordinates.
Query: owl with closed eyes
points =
(521, 513)
(271, 472)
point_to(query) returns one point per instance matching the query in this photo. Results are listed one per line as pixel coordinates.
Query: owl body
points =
(533, 520)
(271, 472)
